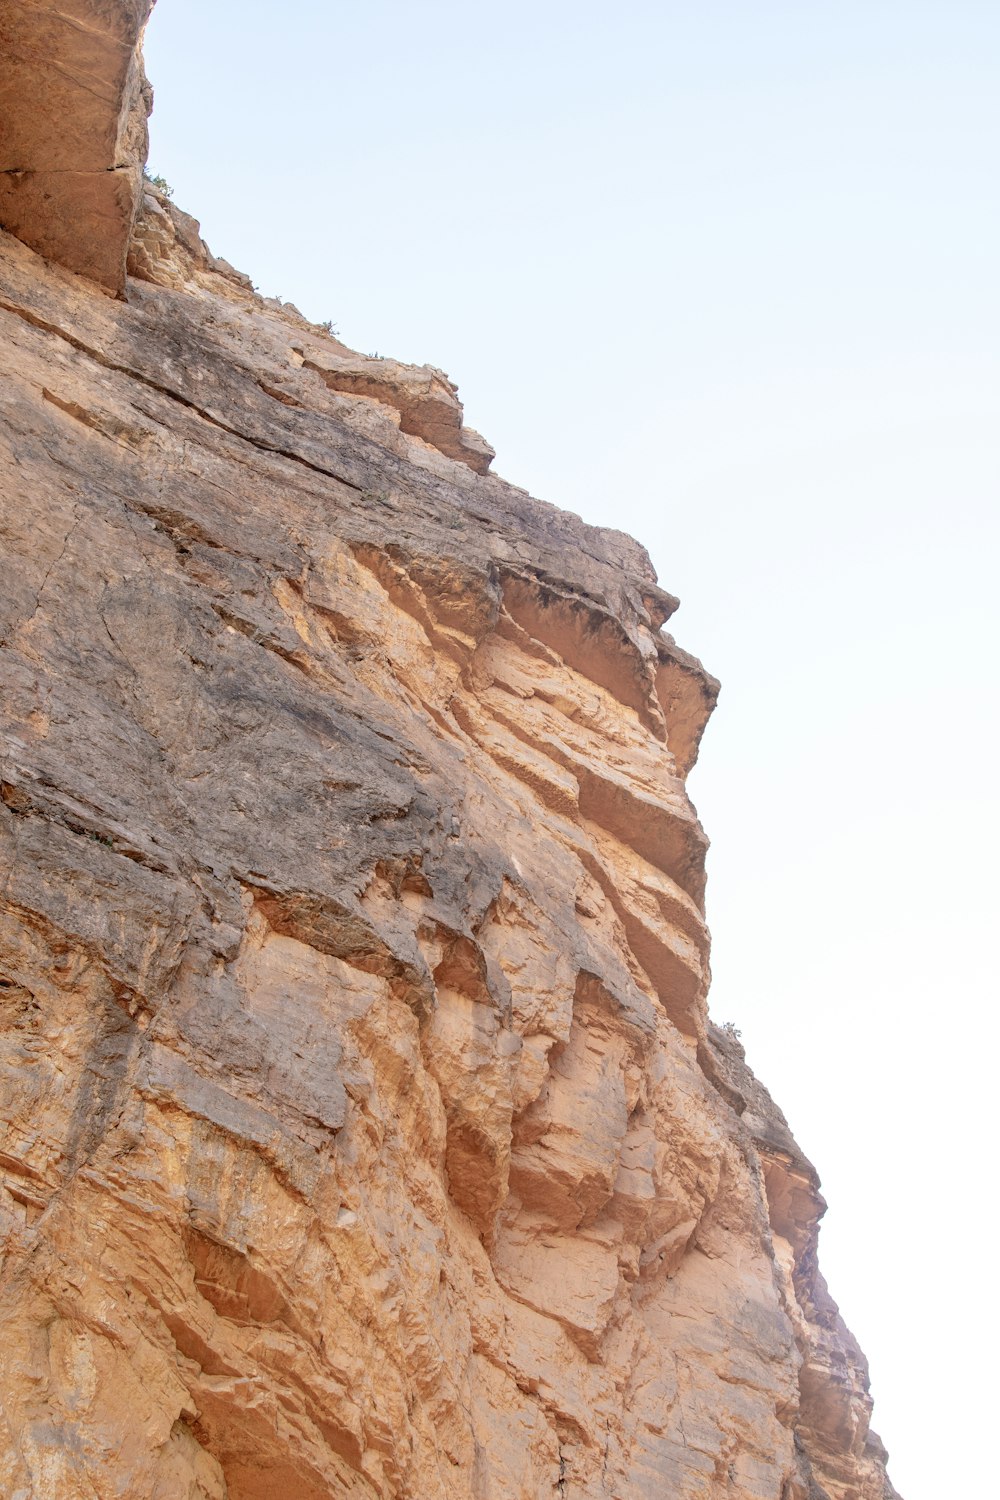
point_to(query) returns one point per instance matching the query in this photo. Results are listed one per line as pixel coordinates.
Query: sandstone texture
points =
(73, 108)
(364, 1131)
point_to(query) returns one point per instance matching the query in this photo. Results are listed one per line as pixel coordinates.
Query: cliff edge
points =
(365, 1133)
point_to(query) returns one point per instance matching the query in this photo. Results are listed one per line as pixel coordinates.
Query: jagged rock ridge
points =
(365, 1130)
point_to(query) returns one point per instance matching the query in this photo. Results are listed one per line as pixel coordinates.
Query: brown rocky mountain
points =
(364, 1129)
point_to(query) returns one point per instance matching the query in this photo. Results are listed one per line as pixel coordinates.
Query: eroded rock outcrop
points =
(365, 1130)
(73, 108)
(418, 400)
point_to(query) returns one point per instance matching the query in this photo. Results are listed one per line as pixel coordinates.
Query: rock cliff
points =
(364, 1130)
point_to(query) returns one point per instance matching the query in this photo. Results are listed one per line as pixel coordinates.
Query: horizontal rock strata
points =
(365, 1132)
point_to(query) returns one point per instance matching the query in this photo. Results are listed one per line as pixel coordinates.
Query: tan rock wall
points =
(73, 108)
(364, 1132)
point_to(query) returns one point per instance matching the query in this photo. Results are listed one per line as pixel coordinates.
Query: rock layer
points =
(365, 1130)
(73, 108)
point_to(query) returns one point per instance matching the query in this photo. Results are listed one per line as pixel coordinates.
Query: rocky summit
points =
(364, 1130)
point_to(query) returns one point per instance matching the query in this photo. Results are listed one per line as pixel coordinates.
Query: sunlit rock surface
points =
(365, 1133)
(73, 108)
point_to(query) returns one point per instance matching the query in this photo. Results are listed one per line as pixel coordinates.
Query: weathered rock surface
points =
(420, 401)
(365, 1133)
(73, 108)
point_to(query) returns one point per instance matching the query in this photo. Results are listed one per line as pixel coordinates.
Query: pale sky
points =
(724, 275)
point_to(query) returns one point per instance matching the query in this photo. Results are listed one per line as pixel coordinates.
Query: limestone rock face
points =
(364, 1130)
